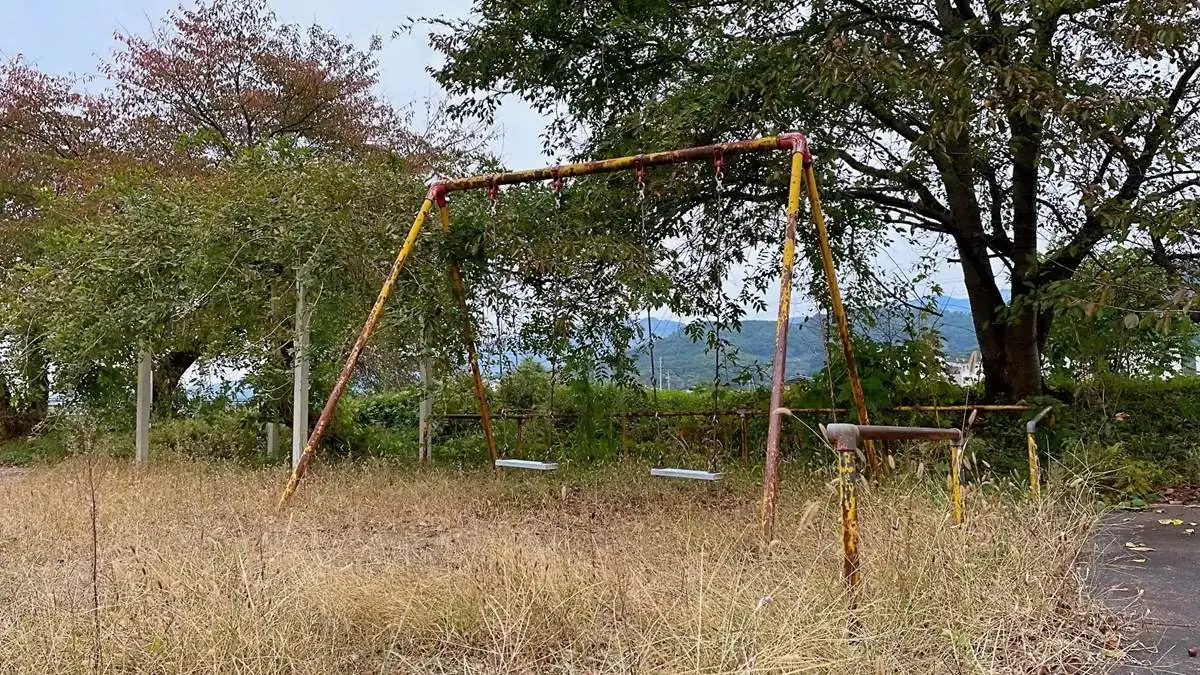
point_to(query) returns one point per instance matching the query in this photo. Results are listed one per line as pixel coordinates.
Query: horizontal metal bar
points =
(690, 474)
(526, 464)
(846, 436)
(793, 142)
(888, 433)
(961, 408)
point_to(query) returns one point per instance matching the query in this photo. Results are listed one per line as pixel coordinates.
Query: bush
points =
(235, 433)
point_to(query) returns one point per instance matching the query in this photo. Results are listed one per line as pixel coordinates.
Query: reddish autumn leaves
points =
(205, 84)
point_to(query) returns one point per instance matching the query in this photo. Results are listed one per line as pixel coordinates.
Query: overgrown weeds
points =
(380, 570)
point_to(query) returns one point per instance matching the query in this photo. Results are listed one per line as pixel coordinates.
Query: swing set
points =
(802, 179)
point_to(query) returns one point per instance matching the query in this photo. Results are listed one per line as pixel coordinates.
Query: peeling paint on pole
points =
(343, 381)
(779, 364)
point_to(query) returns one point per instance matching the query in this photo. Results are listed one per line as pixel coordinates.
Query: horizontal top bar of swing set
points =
(752, 413)
(791, 142)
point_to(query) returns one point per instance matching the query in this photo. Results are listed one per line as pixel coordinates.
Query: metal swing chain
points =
(493, 193)
(641, 188)
(719, 174)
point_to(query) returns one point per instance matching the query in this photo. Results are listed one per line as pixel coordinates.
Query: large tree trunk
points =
(168, 371)
(22, 411)
(36, 372)
(10, 418)
(1009, 345)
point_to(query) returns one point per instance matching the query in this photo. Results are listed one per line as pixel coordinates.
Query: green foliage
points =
(236, 433)
(1004, 128)
(1121, 315)
(43, 449)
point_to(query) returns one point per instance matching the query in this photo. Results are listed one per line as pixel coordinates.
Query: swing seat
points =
(526, 464)
(690, 474)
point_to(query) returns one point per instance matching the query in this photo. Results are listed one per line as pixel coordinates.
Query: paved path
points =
(1162, 584)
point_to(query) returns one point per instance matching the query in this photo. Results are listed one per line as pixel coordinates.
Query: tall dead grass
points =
(377, 569)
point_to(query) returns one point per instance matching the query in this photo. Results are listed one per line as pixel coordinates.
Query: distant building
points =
(964, 373)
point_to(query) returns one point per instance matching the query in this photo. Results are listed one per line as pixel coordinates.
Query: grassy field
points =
(383, 569)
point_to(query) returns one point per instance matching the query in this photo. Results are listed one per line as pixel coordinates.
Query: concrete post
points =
(300, 377)
(145, 398)
(272, 439)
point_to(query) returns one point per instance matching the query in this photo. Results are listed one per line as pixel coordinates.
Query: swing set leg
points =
(460, 295)
(802, 173)
(343, 381)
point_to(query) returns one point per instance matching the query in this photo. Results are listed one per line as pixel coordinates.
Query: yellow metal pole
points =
(845, 439)
(1035, 485)
(460, 294)
(779, 370)
(339, 388)
(839, 312)
(1035, 478)
(956, 496)
(849, 501)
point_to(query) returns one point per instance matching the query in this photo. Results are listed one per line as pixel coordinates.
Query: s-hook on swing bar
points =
(795, 144)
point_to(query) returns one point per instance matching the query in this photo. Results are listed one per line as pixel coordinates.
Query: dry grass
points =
(378, 569)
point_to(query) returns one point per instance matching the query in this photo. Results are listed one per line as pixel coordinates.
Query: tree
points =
(224, 76)
(1028, 135)
(213, 262)
(1123, 314)
(51, 140)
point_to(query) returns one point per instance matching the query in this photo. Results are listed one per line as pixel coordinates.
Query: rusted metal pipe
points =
(891, 433)
(779, 365)
(956, 495)
(845, 441)
(745, 450)
(961, 408)
(339, 388)
(1035, 478)
(839, 312)
(787, 142)
(460, 294)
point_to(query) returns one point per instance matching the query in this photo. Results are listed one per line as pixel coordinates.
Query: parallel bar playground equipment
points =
(1035, 476)
(743, 414)
(845, 438)
(802, 178)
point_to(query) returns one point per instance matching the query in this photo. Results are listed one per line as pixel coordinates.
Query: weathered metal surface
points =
(525, 464)
(1035, 474)
(891, 433)
(779, 366)
(561, 171)
(1031, 425)
(845, 439)
(690, 474)
(742, 438)
(460, 295)
(839, 313)
(956, 493)
(339, 388)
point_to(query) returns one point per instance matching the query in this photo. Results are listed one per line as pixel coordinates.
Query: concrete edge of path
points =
(1149, 573)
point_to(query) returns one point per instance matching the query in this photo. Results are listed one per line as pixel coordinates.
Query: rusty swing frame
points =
(802, 183)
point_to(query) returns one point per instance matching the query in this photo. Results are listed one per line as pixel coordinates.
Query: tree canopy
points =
(1028, 136)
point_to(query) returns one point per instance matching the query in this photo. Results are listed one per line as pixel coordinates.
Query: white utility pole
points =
(145, 398)
(300, 377)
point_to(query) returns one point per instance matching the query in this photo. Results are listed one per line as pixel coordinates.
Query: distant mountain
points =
(685, 363)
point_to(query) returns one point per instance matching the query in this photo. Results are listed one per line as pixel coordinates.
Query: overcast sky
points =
(63, 36)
